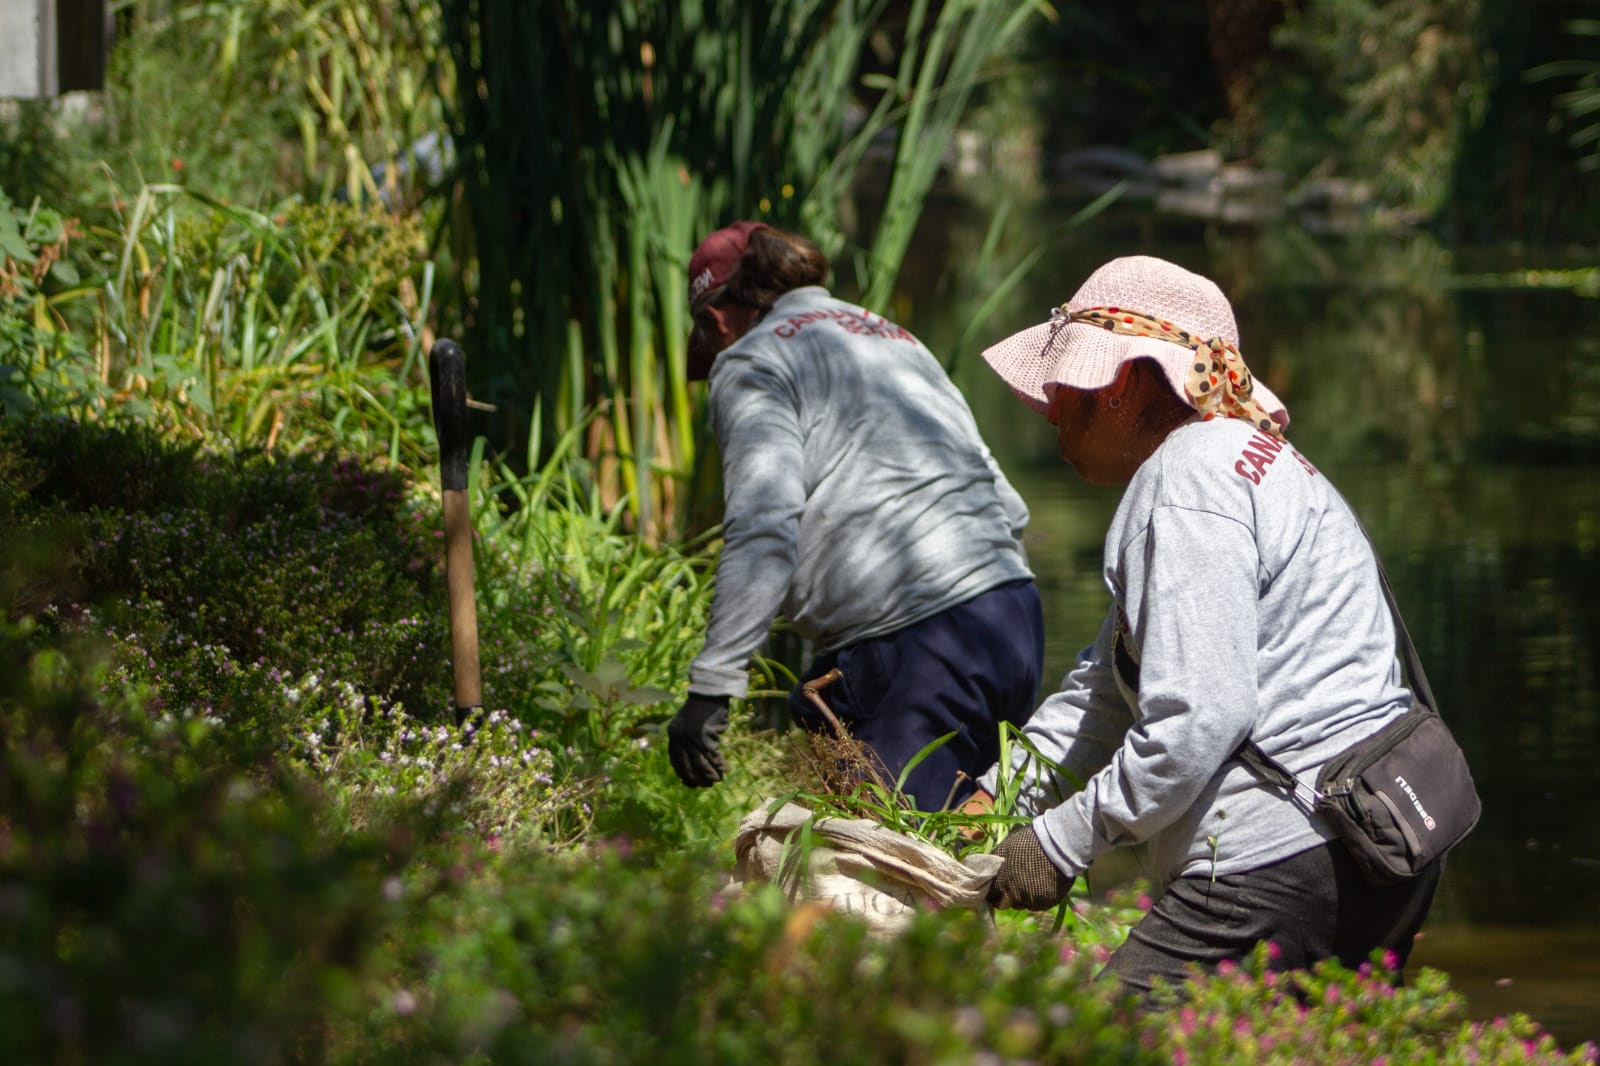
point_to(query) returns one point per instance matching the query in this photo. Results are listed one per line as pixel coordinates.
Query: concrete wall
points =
(28, 48)
(48, 47)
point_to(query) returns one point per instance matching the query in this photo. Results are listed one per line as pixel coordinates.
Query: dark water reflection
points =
(1460, 414)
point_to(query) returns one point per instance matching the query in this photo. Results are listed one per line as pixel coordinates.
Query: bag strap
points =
(1415, 674)
(1250, 752)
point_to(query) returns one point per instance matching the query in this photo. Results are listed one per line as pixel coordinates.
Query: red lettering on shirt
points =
(1260, 453)
(857, 323)
(1259, 461)
(1271, 445)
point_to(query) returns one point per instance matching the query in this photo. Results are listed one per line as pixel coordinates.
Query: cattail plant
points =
(598, 141)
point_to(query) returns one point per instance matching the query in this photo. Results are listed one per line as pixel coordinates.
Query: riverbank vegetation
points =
(241, 825)
(237, 819)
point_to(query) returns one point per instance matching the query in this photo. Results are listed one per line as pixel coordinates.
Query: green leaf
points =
(915, 760)
(11, 242)
(44, 227)
(611, 672)
(64, 272)
(200, 396)
(13, 245)
(645, 695)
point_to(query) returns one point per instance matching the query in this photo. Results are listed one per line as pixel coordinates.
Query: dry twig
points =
(841, 761)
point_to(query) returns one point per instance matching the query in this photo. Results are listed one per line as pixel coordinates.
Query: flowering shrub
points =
(600, 956)
(220, 574)
(157, 905)
(238, 822)
(492, 778)
(1338, 1016)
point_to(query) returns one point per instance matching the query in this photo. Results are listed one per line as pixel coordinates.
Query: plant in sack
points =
(853, 840)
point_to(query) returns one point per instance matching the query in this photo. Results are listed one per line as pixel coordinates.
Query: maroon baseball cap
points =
(713, 263)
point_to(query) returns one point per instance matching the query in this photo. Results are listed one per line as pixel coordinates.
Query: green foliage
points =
(1378, 91)
(375, 89)
(291, 331)
(169, 117)
(597, 144)
(258, 857)
(492, 778)
(1580, 102)
(605, 139)
(35, 163)
(37, 279)
(587, 634)
(1332, 1015)
(944, 59)
(263, 98)
(160, 906)
(693, 974)
(222, 575)
(857, 790)
(297, 603)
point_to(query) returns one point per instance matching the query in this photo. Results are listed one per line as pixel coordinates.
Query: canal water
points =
(1454, 397)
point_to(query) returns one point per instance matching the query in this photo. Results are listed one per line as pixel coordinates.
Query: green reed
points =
(599, 141)
(642, 606)
(286, 330)
(947, 53)
(361, 81)
(596, 143)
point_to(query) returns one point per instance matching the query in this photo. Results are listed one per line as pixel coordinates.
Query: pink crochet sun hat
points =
(1083, 355)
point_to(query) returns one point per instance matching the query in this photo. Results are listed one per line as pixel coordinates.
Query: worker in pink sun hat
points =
(861, 503)
(1247, 604)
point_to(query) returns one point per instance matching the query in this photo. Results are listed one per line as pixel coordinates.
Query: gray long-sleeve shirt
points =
(1248, 594)
(858, 495)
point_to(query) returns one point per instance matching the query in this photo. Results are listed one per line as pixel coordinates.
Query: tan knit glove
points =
(1027, 880)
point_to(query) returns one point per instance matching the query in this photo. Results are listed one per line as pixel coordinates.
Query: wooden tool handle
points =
(447, 379)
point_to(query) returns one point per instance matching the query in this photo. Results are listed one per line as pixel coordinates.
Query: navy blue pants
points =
(962, 671)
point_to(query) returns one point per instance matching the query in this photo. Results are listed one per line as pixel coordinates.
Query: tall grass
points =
(627, 610)
(599, 141)
(348, 90)
(595, 143)
(947, 53)
(286, 330)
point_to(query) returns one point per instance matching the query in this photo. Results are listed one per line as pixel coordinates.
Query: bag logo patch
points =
(1427, 820)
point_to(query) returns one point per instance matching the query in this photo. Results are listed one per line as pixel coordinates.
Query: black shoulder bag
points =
(1400, 798)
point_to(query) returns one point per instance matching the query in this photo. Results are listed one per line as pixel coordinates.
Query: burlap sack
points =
(857, 866)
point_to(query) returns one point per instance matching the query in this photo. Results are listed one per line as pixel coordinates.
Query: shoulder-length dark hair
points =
(774, 262)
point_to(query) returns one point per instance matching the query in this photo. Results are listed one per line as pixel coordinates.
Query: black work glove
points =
(1028, 880)
(694, 740)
